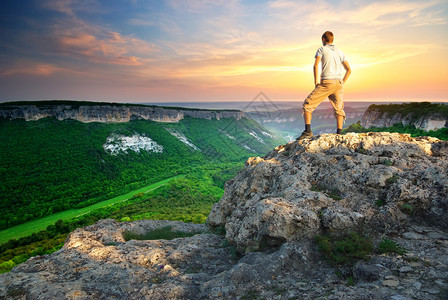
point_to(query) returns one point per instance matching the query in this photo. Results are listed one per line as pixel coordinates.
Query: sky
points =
(218, 50)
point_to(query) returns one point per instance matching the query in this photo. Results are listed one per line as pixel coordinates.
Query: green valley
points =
(49, 166)
(59, 174)
(37, 225)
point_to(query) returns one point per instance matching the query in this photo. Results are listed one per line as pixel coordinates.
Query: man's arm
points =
(316, 70)
(348, 70)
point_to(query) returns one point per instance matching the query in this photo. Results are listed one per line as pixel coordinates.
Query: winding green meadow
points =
(37, 225)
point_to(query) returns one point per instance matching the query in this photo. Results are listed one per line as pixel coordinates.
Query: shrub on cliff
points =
(347, 249)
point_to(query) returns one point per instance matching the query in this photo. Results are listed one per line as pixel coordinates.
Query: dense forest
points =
(49, 165)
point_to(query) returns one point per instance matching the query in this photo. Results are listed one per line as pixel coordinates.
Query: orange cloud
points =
(29, 68)
(72, 36)
(113, 49)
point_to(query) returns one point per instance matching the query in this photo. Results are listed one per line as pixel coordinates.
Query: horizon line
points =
(219, 101)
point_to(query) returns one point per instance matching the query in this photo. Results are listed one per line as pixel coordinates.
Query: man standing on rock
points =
(331, 83)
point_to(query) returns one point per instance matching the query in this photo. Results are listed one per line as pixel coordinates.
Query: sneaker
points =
(304, 135)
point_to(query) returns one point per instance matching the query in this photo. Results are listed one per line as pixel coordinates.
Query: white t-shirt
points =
(332, 59)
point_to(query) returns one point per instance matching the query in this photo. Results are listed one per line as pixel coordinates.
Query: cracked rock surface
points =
(375, 182)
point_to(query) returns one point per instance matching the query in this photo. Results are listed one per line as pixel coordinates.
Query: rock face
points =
(334, 183)
(271, 211)
(96, 262)
(378, 118)
(110, 113)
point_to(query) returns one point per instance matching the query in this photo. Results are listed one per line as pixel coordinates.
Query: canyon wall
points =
(110, 113)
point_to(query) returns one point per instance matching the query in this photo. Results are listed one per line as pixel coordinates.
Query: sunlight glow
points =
(221, 50)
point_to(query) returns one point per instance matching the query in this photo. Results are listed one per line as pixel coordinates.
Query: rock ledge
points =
(372, 182)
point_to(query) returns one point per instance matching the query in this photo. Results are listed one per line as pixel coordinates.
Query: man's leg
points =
(309, 105)
(339, 124)
(338, 106)
(307, 118)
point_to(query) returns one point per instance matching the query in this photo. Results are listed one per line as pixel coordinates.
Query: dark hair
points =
(328, 37)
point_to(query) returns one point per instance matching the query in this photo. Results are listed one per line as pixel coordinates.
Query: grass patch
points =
(333, 193)
(392, 180)
(361, 150)
(234, 253)
(218, 230)
(286, 152)
(164, 233)
(380, 202)
(346, 249)
(407, 208)
(387, 162)
(316, 188)
(389, 246)
(350, 281)
(251, 295)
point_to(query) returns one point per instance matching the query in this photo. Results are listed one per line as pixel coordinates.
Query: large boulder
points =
(334, 184)
(97, 262)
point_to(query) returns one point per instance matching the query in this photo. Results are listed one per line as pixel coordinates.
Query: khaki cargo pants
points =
(331, 88)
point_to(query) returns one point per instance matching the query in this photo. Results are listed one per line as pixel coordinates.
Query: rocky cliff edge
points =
(378, 116)
(377, 184)
(333, 183)
(110, 113)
